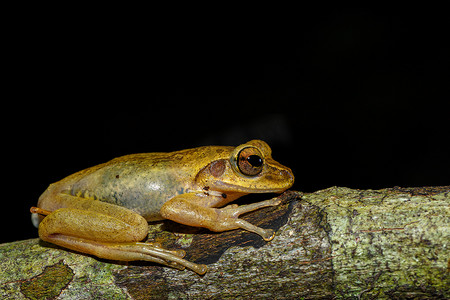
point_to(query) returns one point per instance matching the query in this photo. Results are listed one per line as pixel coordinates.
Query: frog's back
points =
(140, 182)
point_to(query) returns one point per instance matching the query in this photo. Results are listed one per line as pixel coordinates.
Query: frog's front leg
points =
(193, 210)
(106, 231)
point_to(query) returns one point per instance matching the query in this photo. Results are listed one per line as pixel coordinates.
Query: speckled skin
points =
(103, 210)
(140, 182)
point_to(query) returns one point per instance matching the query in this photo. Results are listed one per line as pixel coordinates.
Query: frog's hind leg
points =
(114, 233)
(128, 252)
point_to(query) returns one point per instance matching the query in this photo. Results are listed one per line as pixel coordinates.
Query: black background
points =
(348, 97)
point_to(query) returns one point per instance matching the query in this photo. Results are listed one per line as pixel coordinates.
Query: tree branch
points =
(336, 242)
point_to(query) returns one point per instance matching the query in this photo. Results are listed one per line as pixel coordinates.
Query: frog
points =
(105, 210)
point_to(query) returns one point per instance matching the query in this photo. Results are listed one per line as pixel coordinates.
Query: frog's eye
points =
(250, 161)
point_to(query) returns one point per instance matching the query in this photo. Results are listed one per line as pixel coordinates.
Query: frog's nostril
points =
(289, 177)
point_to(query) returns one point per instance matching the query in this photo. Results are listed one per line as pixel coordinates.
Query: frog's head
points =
(248, 168)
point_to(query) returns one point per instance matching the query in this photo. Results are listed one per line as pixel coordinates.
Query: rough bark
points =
(334, 243)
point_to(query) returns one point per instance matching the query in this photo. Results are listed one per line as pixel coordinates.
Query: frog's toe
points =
(268, 234)
(274, 201)
(176, 265)
(179, 253)
(158, 247)
(201, 269)
(154, 244)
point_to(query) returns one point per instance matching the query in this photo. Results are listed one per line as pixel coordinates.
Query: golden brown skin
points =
(104, 210)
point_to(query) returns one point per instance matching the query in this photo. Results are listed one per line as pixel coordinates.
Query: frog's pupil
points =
(255, 160)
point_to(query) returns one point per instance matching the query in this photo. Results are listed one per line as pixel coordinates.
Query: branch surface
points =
(338, 242)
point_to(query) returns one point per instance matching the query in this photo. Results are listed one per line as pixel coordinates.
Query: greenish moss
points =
(49, 283)
(32, 268)
(386, 239)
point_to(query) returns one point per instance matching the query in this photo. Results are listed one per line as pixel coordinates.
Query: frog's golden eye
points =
(250, 161)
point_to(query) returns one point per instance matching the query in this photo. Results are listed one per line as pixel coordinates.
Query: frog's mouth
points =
(227, 187)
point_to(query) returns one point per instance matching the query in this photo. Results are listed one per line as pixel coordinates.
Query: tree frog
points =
(104, 210)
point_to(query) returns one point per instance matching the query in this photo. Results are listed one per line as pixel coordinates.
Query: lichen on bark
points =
(49, 283)
(383, 240)
(337, 242)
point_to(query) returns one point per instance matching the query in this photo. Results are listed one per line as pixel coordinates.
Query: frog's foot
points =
(229, 217)
(129, 252)
(181, 209)
(40, 211)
